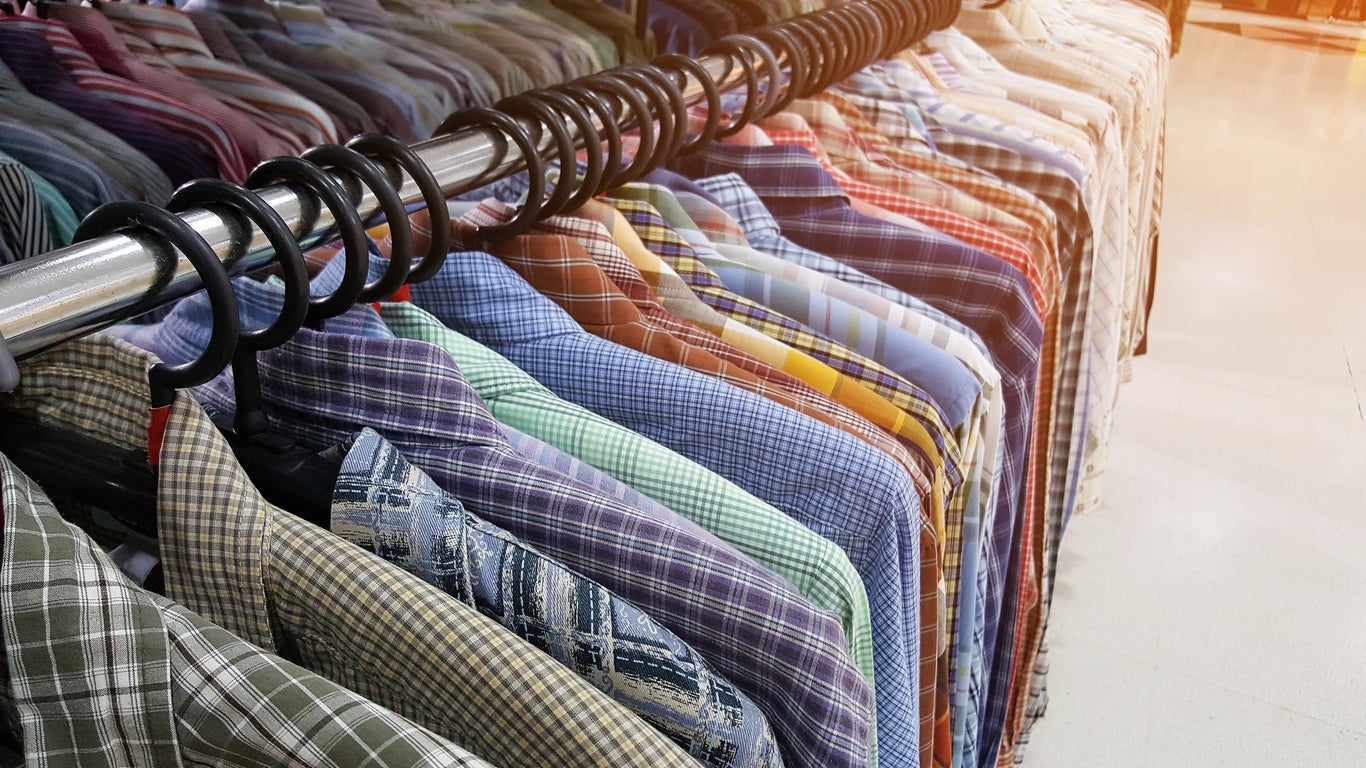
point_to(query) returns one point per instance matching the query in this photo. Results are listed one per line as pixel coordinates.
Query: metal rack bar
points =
(77, 290)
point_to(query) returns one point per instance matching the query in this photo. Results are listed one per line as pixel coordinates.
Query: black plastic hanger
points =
(165, 379)
(351, 230)
(586, 187)
(400, 229)
(849, 45)
(635, 100)
(751, 46)
(780, 40)
(505, 128)
(818, 56)
(123, 482)
(611, 132)
(684, 66)
(875, 31)
(658, 114)
(289, 477)
(737, 55)
(676, 113)
(392, 151)
(540, 113)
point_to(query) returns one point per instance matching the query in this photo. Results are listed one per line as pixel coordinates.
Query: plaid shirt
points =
(894, 306)
(833, 320)
(279, 582)
(926, 431)
(853, 141)
(322, 387)
(791, 461)
(988, 295)
(679, 255)
(887, 189)
(561, 270)
(1056, 187)
(387, 506)
(1026, 218)
(598, 243)
(816, 567)
(678, 298)
(101, 670)
(1026, 590)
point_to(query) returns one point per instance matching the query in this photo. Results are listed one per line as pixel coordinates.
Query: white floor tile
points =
(1213, 611)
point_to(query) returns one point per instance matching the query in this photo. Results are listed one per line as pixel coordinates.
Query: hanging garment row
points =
(745, 433)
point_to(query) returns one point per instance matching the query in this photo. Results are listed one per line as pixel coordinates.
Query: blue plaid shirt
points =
(988, 295)
(831, 482)
(321, 388)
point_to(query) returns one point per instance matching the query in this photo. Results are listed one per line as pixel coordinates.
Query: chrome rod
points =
(80, 289)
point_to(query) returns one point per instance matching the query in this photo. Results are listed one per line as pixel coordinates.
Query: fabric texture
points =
(387, 506)
(286, 586)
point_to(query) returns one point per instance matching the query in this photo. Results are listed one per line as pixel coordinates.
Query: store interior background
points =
(1212, 611)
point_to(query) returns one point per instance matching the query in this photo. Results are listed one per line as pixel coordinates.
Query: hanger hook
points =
(613, 85)
(333, 156)
(165, 379)
(540, 113)
(677, 111)
(250, 420)
(584, 95)
(388, 148)
(642, 81)
(684, 66)
(592, 140)
(797, 67)
(355, 249)
(505, 128)
(735, 54)
(749, 46)
(206, 193)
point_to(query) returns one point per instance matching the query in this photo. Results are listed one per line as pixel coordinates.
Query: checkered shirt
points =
(280, 583)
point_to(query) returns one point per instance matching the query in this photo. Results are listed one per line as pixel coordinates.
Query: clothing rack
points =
(82, 288)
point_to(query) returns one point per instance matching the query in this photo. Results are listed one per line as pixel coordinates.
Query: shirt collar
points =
(597, 243)
(184, 333)
(837, 137)
(676, 182)
(100, 369)
(988, 27)
(491, 374)
(711, 218)
(78, 18)
(473, 289)
(662, 200)
(561, 270)
(397, 386)
(211, 28)
(742, 202)
(780, 171)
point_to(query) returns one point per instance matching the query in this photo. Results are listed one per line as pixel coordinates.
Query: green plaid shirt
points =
(288, 586)
(816, 567)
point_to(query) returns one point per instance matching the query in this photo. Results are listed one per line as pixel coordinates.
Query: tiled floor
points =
(1213, 612)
